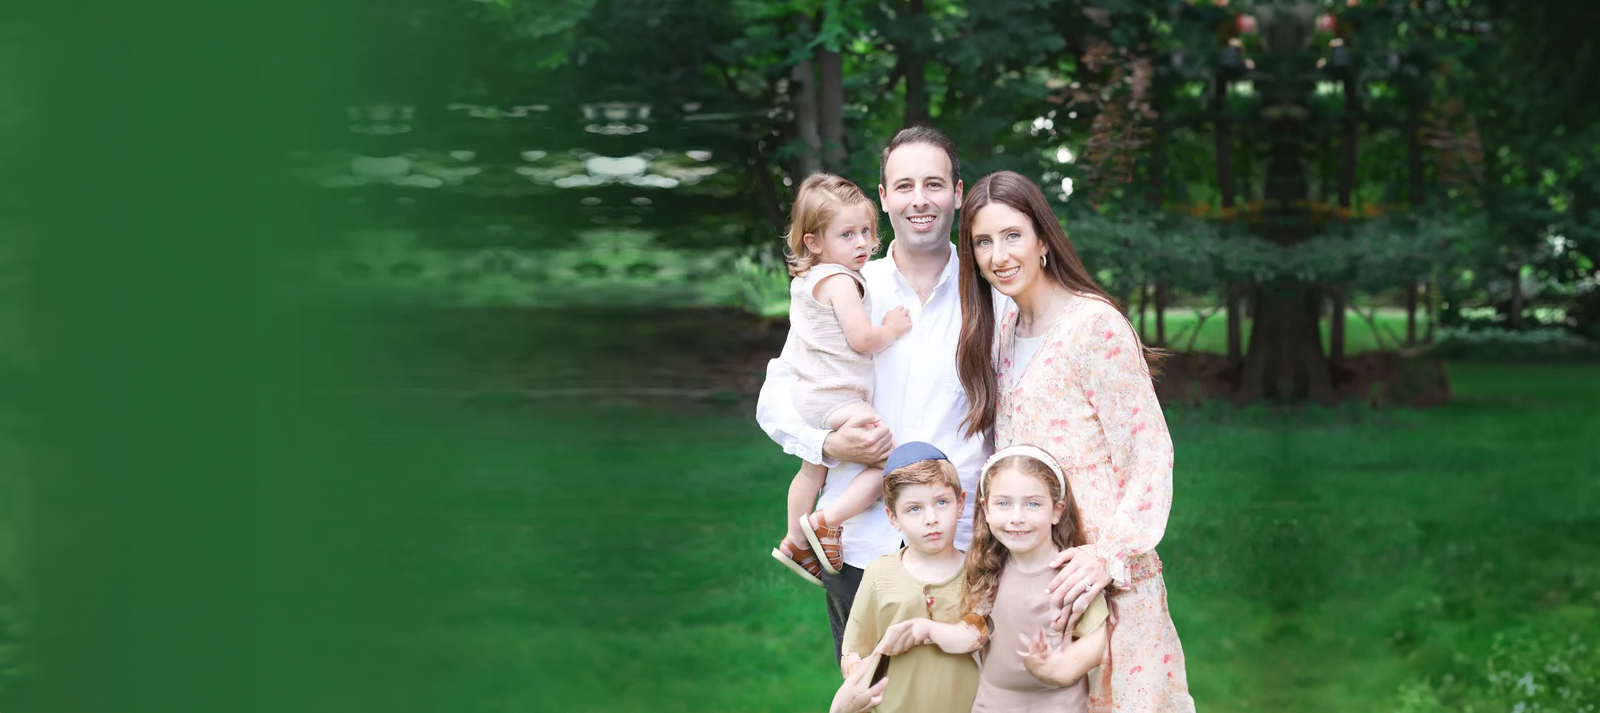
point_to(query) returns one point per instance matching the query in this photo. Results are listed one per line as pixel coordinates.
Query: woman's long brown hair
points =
(987, 557)
(975, 351)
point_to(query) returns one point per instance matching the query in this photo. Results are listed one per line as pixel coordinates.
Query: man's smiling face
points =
(920, 194)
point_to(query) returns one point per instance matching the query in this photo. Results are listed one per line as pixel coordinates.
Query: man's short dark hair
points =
(921, 134)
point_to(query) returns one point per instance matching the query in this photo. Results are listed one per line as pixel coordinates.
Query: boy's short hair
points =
(920, 134)
(927, 472)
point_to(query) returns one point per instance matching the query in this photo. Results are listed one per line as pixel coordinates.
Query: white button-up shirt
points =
(916, 391)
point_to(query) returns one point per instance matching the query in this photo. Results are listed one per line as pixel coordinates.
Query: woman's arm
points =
(844, 295)
(778, 417)
(1117, 382)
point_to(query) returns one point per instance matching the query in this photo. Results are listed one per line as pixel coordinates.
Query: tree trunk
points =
(1336, 319)
(1419, 103)
(1411, 313)
(915, 66)
(1235, 328)
(830, 109)
(1161, 314)
(1347, 186)
(1430, 309)
(1285, 361)
(1224, 147)
(1515, 317)
(1347, 146)
(804, 92)
(767, 189)
(1224, 141)
(1144, 294)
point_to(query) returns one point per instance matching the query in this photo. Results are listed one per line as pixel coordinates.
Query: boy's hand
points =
(897, 321)
(848, 663)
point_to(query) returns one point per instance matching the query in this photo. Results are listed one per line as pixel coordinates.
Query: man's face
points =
(920, 195)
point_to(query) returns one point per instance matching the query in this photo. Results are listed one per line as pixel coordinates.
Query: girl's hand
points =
(897, 321)
(848, 663)
(1036, 656)
(902, 637)
(1062, 663)
(1082, 577)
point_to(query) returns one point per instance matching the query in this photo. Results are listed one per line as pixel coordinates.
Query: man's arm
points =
(777, 415)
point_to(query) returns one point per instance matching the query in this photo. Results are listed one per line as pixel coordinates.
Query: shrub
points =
(1496, 344)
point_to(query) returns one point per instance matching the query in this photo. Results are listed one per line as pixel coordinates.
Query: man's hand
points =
(863, 439)
(855, 696)
(1083, 575)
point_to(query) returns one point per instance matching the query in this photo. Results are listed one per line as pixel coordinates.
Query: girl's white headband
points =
(1033, 452)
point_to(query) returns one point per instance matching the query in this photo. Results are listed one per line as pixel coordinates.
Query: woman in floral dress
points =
(1060, 367)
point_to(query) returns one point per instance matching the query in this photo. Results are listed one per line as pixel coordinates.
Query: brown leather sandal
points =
(824, 539)
(801, 560)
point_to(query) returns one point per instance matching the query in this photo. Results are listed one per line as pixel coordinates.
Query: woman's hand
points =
(1083, 575)
(855, 696)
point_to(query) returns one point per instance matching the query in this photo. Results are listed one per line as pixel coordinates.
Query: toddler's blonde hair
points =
(815, 205)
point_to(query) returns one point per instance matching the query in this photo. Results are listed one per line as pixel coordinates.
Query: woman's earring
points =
(1044, 260)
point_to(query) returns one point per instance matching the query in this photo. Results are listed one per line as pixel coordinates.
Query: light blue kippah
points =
(914, 452)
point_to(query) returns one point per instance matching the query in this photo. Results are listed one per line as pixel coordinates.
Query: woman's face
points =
(1020, 511)
(1007, 249)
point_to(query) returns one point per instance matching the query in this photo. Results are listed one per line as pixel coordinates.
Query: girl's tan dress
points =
(1022, 608)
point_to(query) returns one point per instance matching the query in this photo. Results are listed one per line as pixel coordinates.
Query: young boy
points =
(923, 496)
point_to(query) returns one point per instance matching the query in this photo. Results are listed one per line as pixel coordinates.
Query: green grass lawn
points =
(617, 560)
(1213, 335)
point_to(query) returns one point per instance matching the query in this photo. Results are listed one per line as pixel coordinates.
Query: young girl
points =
(923, 496)
(1024, 516)
(833, 231)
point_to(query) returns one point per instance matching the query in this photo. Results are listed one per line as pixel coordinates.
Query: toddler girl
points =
(833, 231)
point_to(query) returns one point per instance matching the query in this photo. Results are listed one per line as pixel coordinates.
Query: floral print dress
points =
(1087, 399)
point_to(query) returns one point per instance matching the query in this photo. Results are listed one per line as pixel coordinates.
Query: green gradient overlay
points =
(196, 515)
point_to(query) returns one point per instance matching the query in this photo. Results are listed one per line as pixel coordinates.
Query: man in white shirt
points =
(916, 389)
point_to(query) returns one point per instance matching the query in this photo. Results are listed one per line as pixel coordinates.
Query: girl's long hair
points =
(975, 348)
(987, 557)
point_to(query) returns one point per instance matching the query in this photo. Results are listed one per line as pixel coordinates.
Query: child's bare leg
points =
(867, 487)
(864, 490)
(803, 497)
